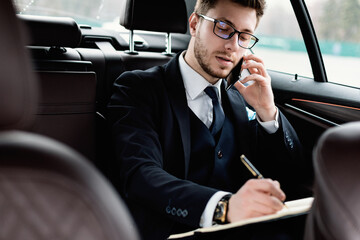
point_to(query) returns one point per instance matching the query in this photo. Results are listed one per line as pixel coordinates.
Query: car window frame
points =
(310, 39)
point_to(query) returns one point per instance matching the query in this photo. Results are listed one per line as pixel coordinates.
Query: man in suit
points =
(177, 174)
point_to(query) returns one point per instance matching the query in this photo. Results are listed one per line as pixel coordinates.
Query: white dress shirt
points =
(201, 104)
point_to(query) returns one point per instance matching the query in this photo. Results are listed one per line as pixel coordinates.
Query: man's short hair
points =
(203, 6)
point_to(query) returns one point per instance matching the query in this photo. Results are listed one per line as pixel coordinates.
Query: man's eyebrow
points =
(231, 24)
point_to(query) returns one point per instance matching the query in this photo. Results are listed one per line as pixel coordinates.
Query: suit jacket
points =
(150, 127)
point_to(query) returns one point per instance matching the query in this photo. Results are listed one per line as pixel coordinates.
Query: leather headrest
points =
(52, 31)
(337, 190)
(337, 156)
(160, 15)
(18, 86)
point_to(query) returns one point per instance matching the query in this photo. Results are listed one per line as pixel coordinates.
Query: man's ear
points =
(193, 23)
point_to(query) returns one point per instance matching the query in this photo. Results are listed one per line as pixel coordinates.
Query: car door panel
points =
(312, 107)
(327, 102)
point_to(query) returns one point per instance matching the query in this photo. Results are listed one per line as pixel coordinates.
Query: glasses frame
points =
(215, 21)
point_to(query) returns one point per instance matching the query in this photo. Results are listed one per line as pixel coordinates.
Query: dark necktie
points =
(218, 114)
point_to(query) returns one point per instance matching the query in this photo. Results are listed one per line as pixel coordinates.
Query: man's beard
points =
(201, 54)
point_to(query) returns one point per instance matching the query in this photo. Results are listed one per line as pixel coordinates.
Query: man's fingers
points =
(269, 187)
(276, 183)
(239, 86)
(255, 68)
(252, 57)
(258, 209)
(255, 77)
(269, 204)
(257, 197)
(255, 65)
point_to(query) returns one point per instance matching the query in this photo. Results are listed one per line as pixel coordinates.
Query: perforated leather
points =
(40, 205)
(48, 191)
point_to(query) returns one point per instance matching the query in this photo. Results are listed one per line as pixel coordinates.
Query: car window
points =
(97, 13)
(281, 44)
(338, 31)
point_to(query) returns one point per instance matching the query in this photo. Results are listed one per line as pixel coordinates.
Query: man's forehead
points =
(240, 17)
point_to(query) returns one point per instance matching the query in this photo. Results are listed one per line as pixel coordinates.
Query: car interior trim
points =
(310, 39)
(313, 116)
(324, 103)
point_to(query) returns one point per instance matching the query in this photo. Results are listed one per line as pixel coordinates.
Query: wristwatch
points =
(221, 210)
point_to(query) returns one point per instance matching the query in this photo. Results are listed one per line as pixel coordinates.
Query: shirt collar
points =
(194, 83)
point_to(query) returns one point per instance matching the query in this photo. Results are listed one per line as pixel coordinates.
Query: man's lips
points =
(224, 60)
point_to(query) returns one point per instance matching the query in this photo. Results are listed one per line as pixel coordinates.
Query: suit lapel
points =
(177, 97)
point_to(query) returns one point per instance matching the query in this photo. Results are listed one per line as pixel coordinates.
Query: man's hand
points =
(259, 94)
(257, 197)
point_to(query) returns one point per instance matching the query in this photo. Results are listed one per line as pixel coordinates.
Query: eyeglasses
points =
(226, 31)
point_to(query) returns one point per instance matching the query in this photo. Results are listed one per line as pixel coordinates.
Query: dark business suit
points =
(151, 130)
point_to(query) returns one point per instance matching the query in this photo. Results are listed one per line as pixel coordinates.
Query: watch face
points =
(219, 211)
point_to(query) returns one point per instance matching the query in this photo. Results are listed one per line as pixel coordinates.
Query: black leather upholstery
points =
(159, 15)
(18, 88)
(52, 31)
(47, 190)
(66, 109)
(335, 213)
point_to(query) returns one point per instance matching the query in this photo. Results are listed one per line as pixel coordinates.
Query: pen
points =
(252, 169)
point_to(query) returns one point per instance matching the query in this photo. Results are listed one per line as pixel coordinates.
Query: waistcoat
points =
(214, 162)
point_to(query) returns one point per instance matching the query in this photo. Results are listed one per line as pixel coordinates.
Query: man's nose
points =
(232, 43)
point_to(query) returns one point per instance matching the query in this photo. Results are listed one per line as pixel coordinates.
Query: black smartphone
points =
(234, 75)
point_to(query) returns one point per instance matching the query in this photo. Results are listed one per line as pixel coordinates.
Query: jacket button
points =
(168, 209)
(220, 154)
(173, 211)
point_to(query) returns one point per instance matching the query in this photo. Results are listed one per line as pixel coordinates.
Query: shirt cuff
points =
(270, 126)
(208, 214)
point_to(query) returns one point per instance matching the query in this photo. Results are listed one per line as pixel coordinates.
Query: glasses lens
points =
(246, 40)
(223, 30)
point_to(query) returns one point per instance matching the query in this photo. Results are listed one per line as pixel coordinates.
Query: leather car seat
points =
(67, 98)
(47, 190)
(335, 213)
